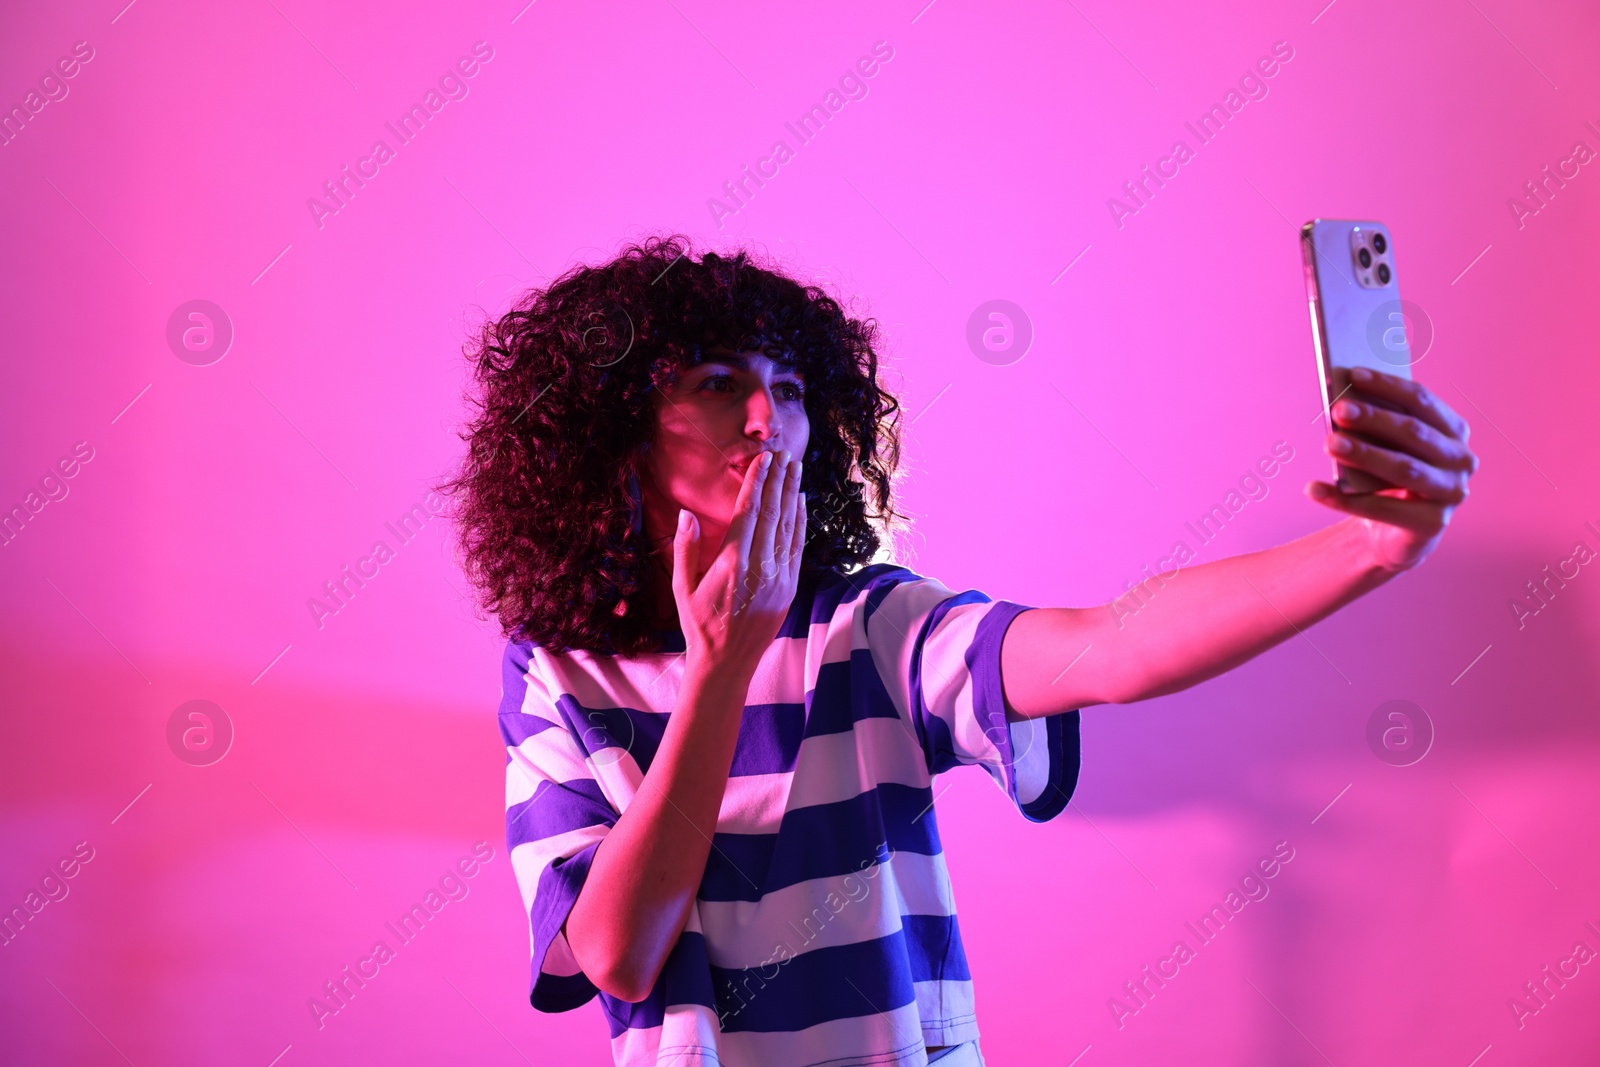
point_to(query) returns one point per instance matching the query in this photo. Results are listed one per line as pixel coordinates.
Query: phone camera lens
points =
(1383, 273)
(1379, 244)
(1365, 257)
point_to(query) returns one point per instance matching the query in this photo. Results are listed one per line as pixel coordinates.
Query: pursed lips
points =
(742, 466)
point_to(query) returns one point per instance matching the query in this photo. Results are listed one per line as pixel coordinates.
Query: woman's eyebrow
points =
(743, 363)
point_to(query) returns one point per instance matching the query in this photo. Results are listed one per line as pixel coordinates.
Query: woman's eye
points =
(796, 391)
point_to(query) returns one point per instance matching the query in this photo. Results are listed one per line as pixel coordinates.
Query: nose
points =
(759, 414)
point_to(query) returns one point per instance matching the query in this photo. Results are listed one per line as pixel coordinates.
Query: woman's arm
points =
(646, 871)
(1204, 620)
(1210, 618)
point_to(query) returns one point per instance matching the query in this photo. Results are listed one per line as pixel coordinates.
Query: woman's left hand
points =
(1424, 454)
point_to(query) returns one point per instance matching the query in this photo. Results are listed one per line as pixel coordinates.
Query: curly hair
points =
(547, 506)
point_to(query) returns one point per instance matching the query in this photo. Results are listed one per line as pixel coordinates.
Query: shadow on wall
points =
(1444, 636)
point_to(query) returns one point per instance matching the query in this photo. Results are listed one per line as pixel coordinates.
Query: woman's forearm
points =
(1205, 620)
(646, 872)
(1215, 616)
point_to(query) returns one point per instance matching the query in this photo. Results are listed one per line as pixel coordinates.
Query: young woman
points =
(722, 720)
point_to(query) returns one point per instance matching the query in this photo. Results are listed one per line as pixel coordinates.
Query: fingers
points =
(749, 483)
(773, 497)
(1412, 397)
(797, 546)
(685, 555)
(746, 527)
(762, 534)
(745, 513)
(1404, 449)
(1401, 469)
(1404, 433)
(1401, 450)
(1396, 511)
(783, 536)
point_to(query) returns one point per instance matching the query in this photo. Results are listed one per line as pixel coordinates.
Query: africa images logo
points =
(1252, 85)
(852, 86)
(452, 85)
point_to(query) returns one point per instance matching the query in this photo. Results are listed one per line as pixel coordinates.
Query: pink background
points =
(1171, 354)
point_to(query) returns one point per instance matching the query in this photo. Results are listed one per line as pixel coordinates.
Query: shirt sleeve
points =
(556, 816)
(938, 654)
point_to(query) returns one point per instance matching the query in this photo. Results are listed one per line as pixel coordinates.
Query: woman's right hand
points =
(732, 614)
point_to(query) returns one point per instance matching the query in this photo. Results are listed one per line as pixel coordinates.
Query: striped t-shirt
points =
(824, 929)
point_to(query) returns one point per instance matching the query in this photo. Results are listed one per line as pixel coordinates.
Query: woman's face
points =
(710, 425)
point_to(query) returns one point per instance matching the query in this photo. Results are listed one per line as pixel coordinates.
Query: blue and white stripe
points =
(824, 930)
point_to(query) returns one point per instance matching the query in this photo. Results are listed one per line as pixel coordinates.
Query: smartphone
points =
(1357, 320)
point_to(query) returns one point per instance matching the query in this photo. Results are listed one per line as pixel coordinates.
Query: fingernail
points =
(683, 520)
(1347, 410)
(1360, 374)
(766, 460)
(1340, 444)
